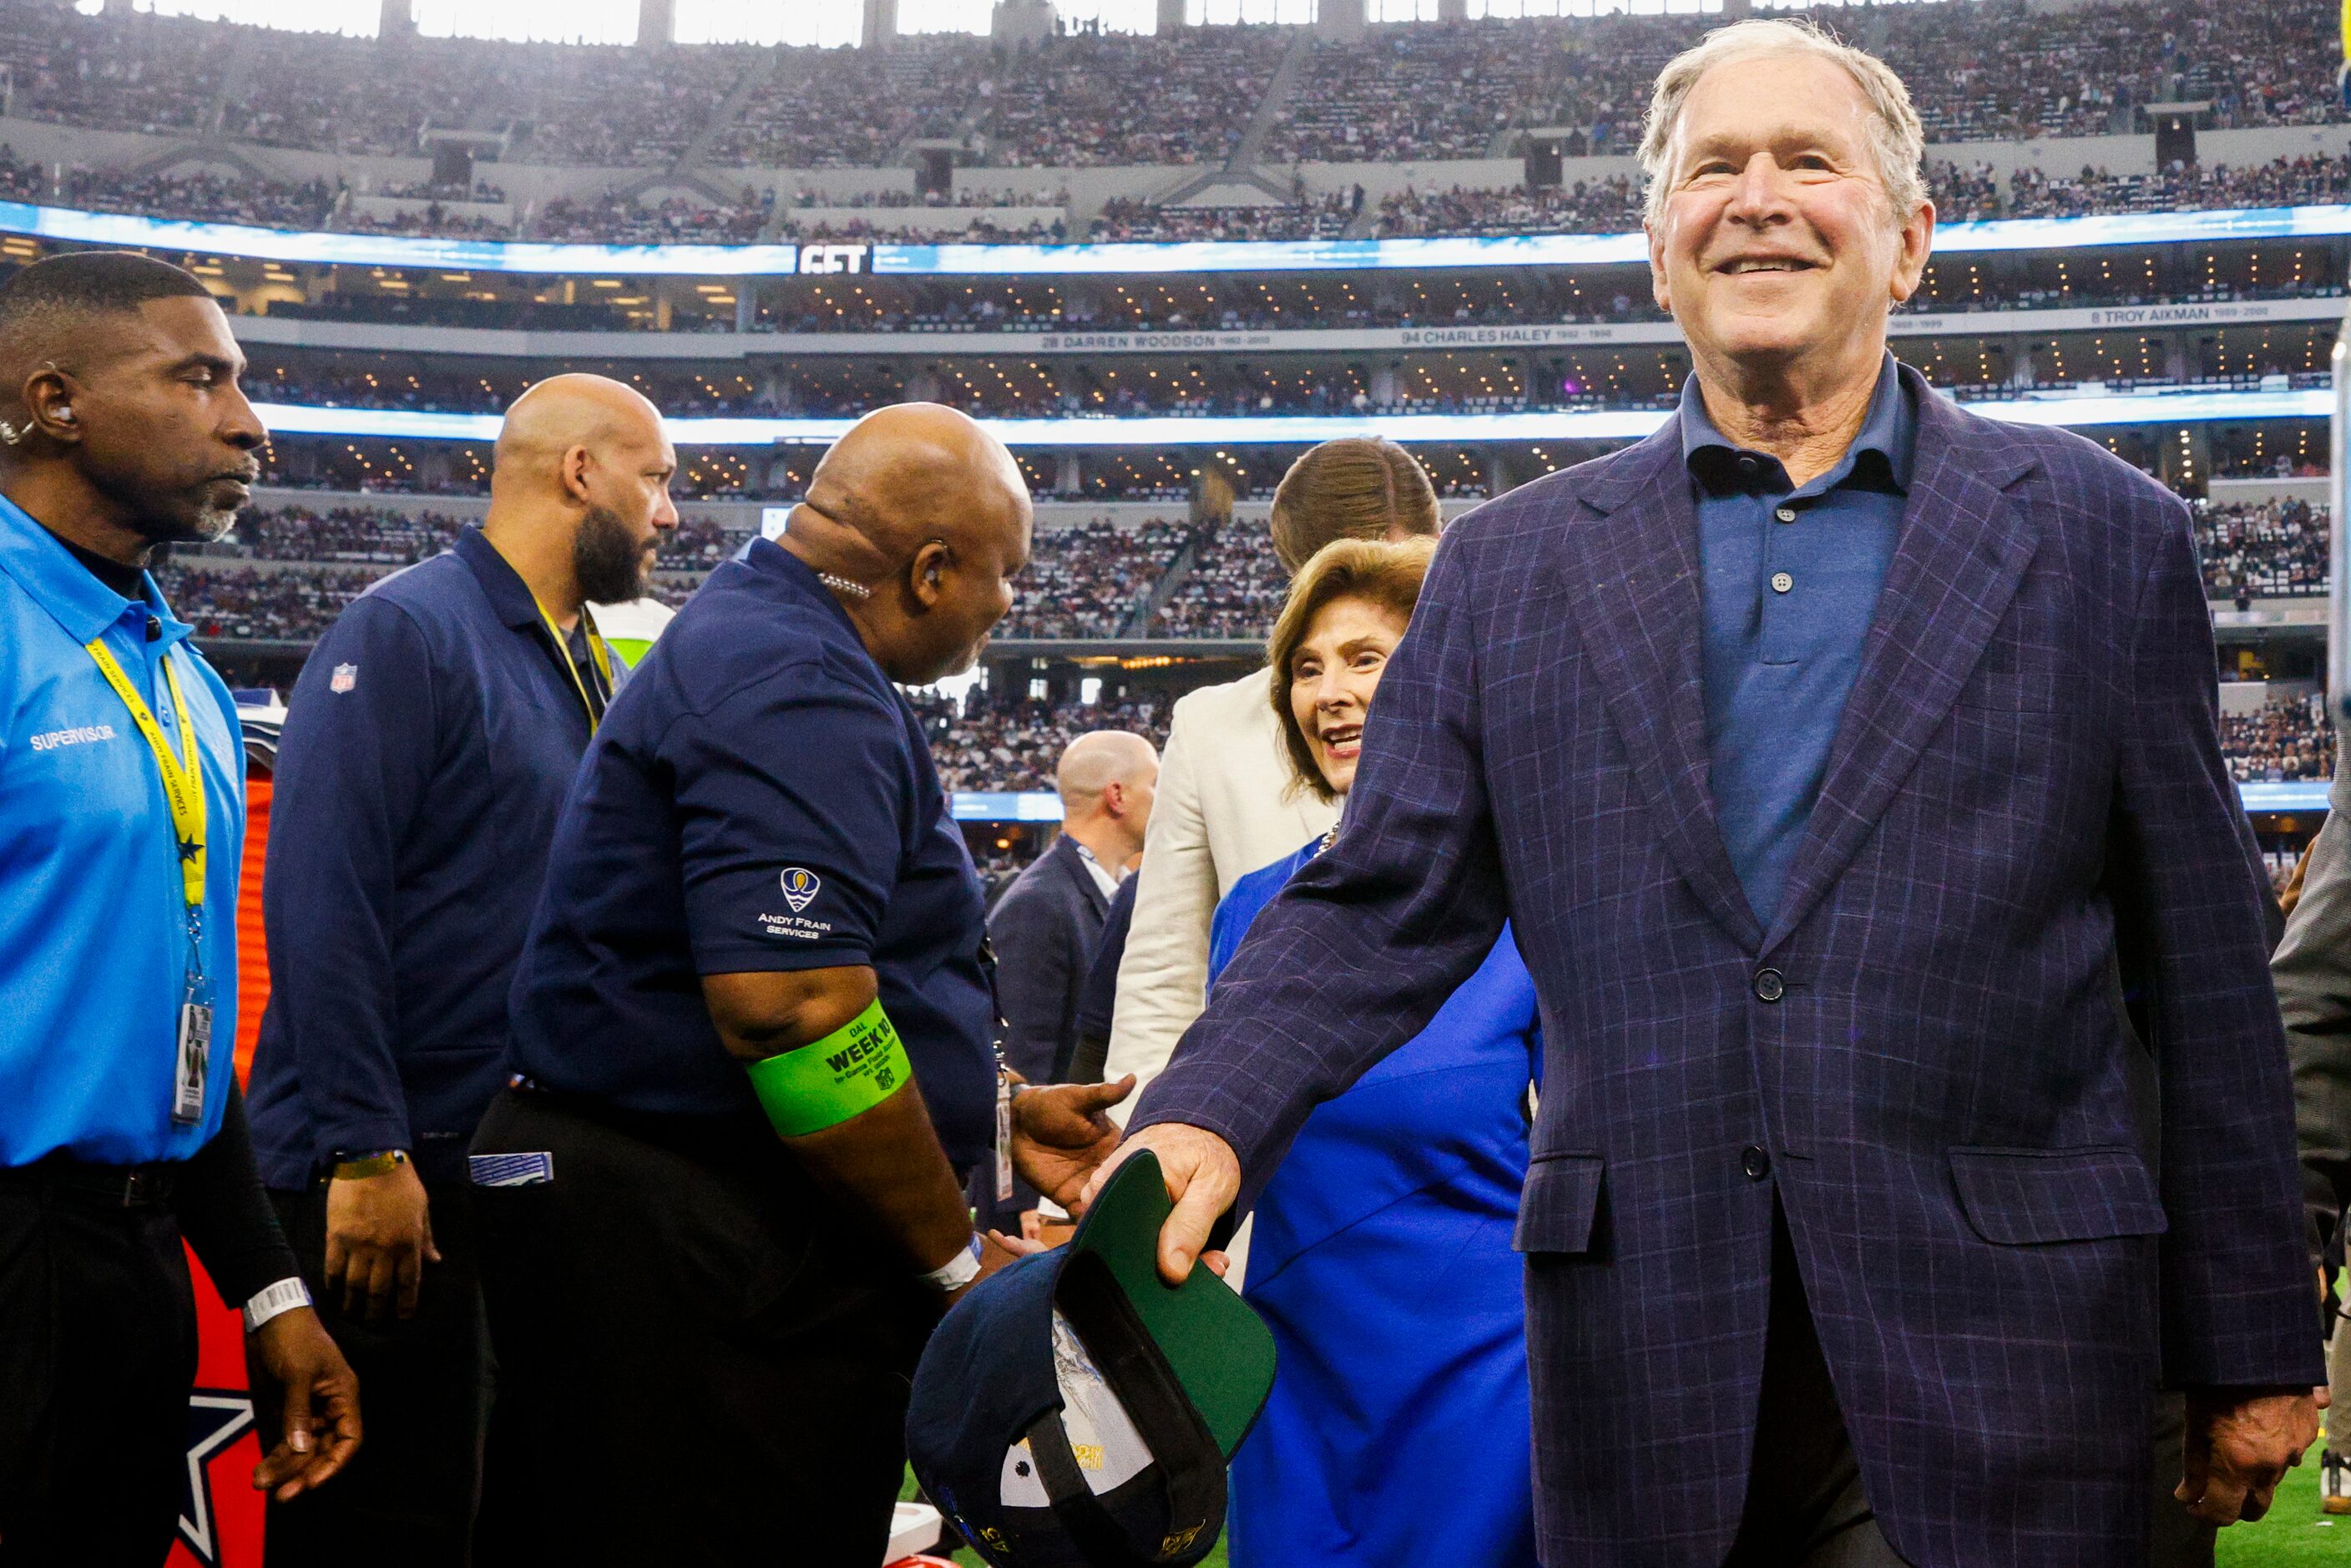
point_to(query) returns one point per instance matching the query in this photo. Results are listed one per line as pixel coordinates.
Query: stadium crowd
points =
(2283, 742)
(378, 536)
(1325, 217)
(614, 219)
(1996, 70)
(1089, 581)
(1233, 587)
(989, 742)
(1992, 70)
(2272, 549)
(1013, 389)
(251, 604)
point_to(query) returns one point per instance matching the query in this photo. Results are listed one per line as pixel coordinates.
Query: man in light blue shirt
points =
(121, 829)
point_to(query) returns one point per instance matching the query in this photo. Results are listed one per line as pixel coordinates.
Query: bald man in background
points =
(427, 749)
(1047, 924)
(725, 1200)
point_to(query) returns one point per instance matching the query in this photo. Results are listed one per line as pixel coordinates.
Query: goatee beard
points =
(607, 561)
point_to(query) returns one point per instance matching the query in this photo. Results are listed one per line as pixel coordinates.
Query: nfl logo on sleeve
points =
(345, 676)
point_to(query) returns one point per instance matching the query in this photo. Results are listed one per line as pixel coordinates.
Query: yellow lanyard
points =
(596, 652)
(184, 779)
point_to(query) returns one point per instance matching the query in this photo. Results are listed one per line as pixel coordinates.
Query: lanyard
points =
(597, 652)
(183, 783)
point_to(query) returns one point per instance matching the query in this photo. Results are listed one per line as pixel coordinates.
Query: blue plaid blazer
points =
(2028, 914)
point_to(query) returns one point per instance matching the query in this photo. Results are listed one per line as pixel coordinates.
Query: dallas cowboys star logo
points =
(188, 850)
(215, 1419)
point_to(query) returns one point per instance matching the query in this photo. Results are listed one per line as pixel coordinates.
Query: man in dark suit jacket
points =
(1046, 924)
(1843, 761)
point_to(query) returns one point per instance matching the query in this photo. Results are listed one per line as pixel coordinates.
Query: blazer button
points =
(1755, 1163)
(1769, 985)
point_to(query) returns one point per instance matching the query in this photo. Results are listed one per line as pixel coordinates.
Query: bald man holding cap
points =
(427, 749)
(753, 1026)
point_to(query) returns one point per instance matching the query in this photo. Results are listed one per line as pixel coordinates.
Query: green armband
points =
(825, 1083)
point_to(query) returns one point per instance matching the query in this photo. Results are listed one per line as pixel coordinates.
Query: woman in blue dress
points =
(1398, 1433)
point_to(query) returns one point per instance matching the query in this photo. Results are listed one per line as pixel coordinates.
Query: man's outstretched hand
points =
(2240, 1442)
(1203, 1176)
(1060, 1134)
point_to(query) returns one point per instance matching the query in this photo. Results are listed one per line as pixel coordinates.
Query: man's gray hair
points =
(1896, 136)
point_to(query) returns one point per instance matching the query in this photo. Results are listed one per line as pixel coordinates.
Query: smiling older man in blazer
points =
(1847, 765)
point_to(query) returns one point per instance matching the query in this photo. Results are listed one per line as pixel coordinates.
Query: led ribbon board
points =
(538, 259)
(1042, 806)
(2187, 407)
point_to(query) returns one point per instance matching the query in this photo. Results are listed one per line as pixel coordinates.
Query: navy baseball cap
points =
(1074, 1411)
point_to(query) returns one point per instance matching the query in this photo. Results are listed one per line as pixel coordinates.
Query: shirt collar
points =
(1105, 880)
(772, 561)
(510, 595)
(1881, 454)
(67, 590)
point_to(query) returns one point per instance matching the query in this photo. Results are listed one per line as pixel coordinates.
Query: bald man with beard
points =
(426, 752)
(753, 1028)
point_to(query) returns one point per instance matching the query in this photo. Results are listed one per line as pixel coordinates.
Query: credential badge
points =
(800, 886)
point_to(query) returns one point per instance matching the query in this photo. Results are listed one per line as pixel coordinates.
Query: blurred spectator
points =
(1121, 218)
(994, 743)
(2271, 549)
(1045, 926)
(2285, 741)
(1233, 589)
(613, 219)
(1089, 581)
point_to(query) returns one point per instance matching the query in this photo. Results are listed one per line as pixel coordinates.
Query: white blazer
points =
(1223, 809)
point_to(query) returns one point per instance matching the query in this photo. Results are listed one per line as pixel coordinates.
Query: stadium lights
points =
(540, 258)
(1154, 431)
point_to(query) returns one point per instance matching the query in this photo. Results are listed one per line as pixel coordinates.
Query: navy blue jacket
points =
(1924, 1053)
(427, 748)
(1045, 928)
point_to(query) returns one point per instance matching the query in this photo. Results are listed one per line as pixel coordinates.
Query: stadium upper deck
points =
(740, 248)
(1986, 70)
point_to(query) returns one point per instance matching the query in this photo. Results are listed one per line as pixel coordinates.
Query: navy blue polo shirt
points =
(1790, 576)
(427, 748)
(760, 798)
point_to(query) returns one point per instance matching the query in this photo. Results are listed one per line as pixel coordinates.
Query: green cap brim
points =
(1219, 1349)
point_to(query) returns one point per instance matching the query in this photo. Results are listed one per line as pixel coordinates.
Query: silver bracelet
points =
(271, 1300)
(958, 1272)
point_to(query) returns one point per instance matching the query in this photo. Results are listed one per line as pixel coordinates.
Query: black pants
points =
(411, 1494)
(97, 1353)
(1804, 1501)
(2178, 1538)
(1804, 1507)
(699, 1362)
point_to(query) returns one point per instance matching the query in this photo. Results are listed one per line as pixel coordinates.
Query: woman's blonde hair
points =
(1356, 487)
(1384, 574)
